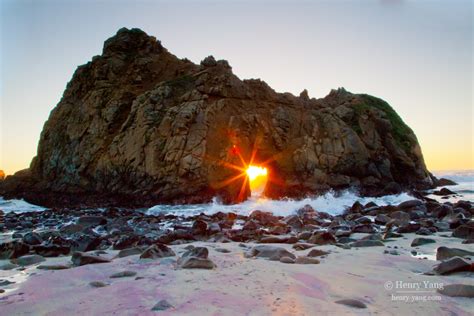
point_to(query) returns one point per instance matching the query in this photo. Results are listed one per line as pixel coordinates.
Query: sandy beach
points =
(246, 286)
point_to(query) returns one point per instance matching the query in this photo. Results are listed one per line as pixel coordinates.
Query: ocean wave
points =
(18, 206)
(331, 202)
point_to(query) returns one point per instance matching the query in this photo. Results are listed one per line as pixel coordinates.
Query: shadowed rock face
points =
(139, 122)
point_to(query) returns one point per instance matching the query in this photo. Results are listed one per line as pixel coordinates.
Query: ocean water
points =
(464, 187)
(331, 202)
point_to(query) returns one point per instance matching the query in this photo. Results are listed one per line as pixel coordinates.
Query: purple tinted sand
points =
(311, 286)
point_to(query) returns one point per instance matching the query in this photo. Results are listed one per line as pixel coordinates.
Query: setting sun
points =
(253, 172)
(258, 177)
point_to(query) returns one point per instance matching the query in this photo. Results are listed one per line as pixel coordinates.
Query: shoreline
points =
(228, 263)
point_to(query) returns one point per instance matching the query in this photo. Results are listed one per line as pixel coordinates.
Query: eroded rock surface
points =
(138, 122)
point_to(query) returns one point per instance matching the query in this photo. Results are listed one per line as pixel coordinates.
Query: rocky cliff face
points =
(137, 121)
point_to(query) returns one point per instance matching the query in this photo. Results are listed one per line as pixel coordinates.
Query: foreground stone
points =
(130, 252)
(456, 264)
(306, 260)
(81, 258)
(196, 258)
(53, 267)
(367, 243)
(98, 284)
(422, 241)
(317, 253)
(28, 260)
(464, 231)
(123, 274)
(352, 303)
(162, 306)
(157, 251)
(196, 263)
(443, 253)
(458, 290)
(269, 252)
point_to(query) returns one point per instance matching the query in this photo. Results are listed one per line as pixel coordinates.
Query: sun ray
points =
(229, 181)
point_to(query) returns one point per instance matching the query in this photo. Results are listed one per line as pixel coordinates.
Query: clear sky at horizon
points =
(416, 55)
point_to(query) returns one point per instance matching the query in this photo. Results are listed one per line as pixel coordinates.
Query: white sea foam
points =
(18, 206)
(331, 203)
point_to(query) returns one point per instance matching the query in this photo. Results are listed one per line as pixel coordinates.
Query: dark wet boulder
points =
(422, 241)
(51, 250)
(294, 221)
(317, 253)
(82, 242)
(408, 228)
(444, 182)
(452, 265)
(28, 260)
(364, 228)
(443, 253)
(302, 246)
(285, 239)
(91, 221)
(458, 290)
(196, 258)
(464, 231)
(32, 239)
(443, 192)
(130, 251)
(162, 306)
(264, 218)
(322, 238)
(123, 274)
(269, 252)
(352, 303)
(199, 227)
(13, 249)
(410, 204)
(81, 258)
(367, 243)
(126, 241)
(157, 251)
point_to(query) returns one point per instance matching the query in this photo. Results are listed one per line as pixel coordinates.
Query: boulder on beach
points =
(458, 290)
(367, 243)
(464, 231)
(157, 251)
(443, 253)
(136, 126)
(422, 241)
(123, 274)
(81, 258)
(162, 306)
(196, 258)
(352, 303)
(28, 260)
(269, 252)
(452, 265)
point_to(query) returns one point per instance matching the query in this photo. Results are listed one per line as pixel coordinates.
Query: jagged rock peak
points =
(131, 40)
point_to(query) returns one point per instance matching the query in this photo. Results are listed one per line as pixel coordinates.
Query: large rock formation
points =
(138, 122)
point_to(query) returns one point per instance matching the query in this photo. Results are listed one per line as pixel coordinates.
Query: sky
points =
(416, 55)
